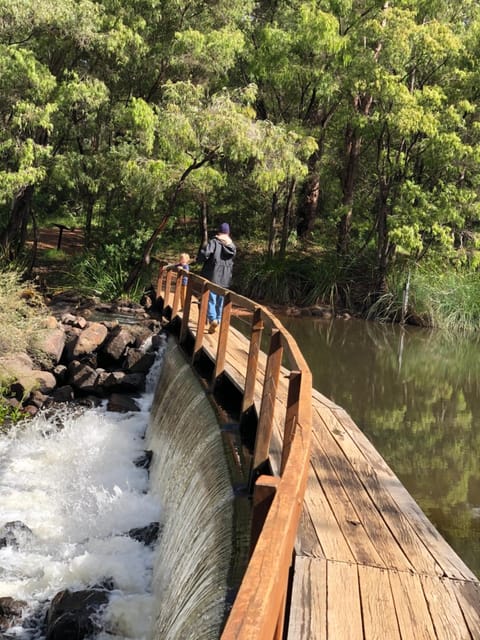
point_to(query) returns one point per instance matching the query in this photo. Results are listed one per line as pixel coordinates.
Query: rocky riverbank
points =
(88, 352)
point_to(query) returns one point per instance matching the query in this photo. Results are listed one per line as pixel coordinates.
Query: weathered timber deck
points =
(368, 564)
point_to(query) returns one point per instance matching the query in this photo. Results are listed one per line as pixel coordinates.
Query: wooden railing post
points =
(168, 286)
(159, 288)
(202, 320)
(222, 338)
(186, 313)
(177, 294)
(291, 417)
(252, 364)
(267, 407)
(263, 495)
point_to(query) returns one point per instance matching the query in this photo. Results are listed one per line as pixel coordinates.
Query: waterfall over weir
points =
(191, 475)
(79, 492)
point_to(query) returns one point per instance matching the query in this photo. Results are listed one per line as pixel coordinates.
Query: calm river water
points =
(416, 395)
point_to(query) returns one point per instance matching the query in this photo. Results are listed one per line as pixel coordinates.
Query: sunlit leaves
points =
(74, 19)
(209, 53)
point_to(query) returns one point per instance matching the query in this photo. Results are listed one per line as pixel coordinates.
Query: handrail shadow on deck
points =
(259, 607)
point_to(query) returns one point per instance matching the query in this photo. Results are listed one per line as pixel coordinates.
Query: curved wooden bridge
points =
(340, 550)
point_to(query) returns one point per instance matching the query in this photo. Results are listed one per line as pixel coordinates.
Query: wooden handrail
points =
(259, 607)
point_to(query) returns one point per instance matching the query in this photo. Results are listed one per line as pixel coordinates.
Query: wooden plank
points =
(391, 533)
(447, 562)
(308, 604)
(332, 543)
(412, 610)
(307, 543)
(378, 609)
(344, 616)
(446, 614)
(350, 511)
(468, 598)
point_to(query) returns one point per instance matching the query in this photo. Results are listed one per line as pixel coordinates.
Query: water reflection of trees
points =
(416, 394)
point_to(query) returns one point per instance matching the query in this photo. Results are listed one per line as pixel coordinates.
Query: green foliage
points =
(53, 256)
(10, 413)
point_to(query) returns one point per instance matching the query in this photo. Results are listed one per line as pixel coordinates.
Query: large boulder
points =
(73, 615)
(51, 342)
(90, 339)
(14, 533)
(137, 361)
(116, 345)
(19, 368)
(121, 403)
(82, 377)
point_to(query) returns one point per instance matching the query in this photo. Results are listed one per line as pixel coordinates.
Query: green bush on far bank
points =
(441, 298)
(448, 299)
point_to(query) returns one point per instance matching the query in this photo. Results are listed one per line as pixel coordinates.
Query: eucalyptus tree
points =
(414, 133)
(293, 54)
(39, 41)
(121, 104)
(386, 89)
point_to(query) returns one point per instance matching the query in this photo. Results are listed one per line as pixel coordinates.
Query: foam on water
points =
(77, 488)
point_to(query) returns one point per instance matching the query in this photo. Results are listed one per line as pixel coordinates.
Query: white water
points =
(78, 490)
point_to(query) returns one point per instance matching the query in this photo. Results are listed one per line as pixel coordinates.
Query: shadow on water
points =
(416, 394)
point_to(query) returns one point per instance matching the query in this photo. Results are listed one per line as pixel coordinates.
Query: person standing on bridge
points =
(217, 257)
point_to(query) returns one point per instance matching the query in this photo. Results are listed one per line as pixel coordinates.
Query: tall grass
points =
(448, 299)
(444, 299)
(104, 277)
(22, 313)
(290, 280)
(305, 279)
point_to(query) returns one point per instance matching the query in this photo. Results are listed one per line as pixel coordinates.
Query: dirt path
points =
(71, 240)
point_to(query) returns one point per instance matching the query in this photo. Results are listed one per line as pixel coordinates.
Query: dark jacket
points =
(217, 258)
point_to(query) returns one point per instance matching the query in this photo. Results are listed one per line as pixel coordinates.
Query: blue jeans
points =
(215, 307)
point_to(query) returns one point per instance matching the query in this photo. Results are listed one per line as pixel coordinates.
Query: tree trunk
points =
(88, 220)
(383, 244)
(353, 145)
(272, 232)
(308, 203)
(287, 214)
(145, 259)
(204, 221)
(33, 257)
(14, 236)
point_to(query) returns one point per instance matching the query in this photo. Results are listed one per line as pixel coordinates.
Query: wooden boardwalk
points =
(368, 564)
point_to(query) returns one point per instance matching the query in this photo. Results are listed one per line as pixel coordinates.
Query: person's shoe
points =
(213, 326)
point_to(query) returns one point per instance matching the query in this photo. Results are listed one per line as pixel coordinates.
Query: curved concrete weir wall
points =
(190, 475)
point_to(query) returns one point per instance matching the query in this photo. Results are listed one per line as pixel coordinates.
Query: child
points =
(184, 260)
